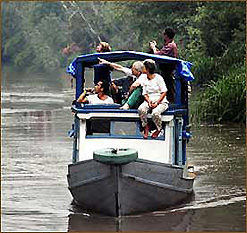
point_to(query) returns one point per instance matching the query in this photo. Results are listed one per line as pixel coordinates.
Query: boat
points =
(114, 171)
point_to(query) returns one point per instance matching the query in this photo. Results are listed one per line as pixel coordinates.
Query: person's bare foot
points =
(125, 107)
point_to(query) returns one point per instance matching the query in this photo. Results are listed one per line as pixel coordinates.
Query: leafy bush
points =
(204, 69)
(223, 100)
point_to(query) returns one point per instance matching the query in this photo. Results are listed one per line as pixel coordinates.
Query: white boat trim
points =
(112, 115)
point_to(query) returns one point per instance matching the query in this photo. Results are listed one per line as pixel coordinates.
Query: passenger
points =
(167, 70)
(154, 91)
(131, 95)
(103, 47)
(101, 97)
(100, 48)
(169, 48)
(102, 72)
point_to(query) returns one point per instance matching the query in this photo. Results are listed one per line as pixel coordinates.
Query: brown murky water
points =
(36, 150)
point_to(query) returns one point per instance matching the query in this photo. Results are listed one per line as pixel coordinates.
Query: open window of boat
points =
(118, 127)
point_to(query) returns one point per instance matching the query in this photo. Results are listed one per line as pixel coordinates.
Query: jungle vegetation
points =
(48, 35)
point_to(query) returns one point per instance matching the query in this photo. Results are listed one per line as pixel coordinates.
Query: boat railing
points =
(173, 109)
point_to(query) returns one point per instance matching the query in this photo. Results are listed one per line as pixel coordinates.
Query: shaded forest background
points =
(48, 35)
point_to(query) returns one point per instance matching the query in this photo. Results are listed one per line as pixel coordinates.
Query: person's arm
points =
(137, 83)
(152, 45)
(114, 87)
(175, 51)
(146, 98)
(82, 98)
(134, 85)
(162, 96)
(113, 65)
(163, 90)
(155, 50)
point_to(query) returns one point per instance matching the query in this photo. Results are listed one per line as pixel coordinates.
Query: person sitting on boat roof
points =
(101, 89)
(103, 47)
(169, 49)
(129, 84)
(154, 91)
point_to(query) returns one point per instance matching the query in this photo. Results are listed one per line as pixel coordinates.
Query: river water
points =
(36, 150)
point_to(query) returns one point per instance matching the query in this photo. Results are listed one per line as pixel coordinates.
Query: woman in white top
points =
(154, 91)
(100, 97)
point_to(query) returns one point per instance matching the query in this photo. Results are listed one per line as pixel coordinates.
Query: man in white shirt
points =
(131, 85)
(100, 97)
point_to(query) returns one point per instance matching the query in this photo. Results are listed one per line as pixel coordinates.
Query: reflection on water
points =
(36, 150)
(215, 217)
(189, 220)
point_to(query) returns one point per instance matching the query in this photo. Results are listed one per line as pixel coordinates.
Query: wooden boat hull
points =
(136, 187)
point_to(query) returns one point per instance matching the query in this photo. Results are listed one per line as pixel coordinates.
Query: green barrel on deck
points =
(115, 156)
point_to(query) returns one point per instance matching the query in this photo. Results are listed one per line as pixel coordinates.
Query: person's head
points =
(102, 86)
(103, 47)
(137, 68)
(169, 33)
(149, 66)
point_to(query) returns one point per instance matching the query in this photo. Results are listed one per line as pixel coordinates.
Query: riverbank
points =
(221, 101)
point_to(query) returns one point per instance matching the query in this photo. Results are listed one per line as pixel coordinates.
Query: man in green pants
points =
(134, 88)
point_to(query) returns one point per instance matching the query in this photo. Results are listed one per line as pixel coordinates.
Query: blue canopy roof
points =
(87, 60)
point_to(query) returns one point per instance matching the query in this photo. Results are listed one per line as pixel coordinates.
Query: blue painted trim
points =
(138, 128)
(75, 154)
(180, 139)
(173, 142)
(111, 134)
(99, 106)
(88, 60)
(79, 80)
(117, 106)
(184, 151)
(162, 138)
(115, 56)
(71, 132)
(170, 111)
(112, 127)
(176, 144)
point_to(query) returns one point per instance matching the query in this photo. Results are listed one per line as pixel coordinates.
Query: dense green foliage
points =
(222, 100)
(47, 35)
